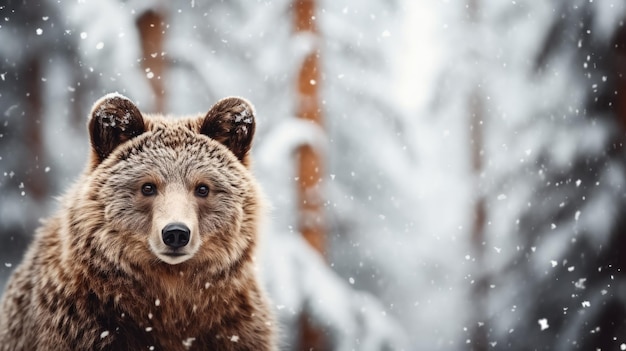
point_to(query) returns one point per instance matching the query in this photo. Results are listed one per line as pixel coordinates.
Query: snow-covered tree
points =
(553, 172)
(572, 231)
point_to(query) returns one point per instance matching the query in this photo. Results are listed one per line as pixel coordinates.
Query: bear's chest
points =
(156, 330)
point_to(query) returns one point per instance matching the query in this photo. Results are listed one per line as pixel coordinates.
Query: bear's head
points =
(161, 191)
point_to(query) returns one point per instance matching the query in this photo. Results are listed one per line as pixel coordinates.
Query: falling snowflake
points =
(188, 342)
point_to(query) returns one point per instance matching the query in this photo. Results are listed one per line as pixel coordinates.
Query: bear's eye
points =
(202, 190)
(148, 189)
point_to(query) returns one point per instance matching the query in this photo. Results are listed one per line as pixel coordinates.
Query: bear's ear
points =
(231, 122)
(114, 119)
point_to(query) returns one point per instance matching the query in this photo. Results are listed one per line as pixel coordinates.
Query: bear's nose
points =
(175, 235)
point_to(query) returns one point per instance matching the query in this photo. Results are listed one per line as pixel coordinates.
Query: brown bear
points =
(153, 247)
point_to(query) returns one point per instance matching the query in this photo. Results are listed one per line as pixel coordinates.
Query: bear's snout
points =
(175, 235)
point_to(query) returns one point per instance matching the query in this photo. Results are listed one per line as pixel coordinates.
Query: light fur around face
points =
(176, 158)
(176, 169)
(175, 204)
(101, 273)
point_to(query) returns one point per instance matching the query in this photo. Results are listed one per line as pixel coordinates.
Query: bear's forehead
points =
(174, 133)
(176, 145)
(172, 123)
(169, 160)
(175, 138)
(167, 147)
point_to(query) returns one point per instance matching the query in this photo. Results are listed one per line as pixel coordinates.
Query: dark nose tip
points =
(175, 235)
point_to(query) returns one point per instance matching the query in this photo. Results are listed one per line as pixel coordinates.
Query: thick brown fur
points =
(97, 276)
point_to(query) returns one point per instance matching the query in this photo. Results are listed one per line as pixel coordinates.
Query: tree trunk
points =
(151, 26)
(36, 183)
(478, 331)
(310, 200)
(309, 161)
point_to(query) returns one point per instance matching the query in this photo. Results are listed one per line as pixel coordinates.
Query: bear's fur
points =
(101, 275)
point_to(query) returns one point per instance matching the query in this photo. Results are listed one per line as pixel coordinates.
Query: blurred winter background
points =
(445, 175)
